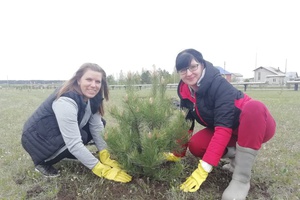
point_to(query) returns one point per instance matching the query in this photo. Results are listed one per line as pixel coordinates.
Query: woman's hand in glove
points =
(110, 173)
(171, 157)
(104, 157)
(193, 183)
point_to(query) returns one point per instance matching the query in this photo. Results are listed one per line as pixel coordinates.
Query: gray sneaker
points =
(47, 170)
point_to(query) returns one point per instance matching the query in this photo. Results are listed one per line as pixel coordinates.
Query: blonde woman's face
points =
(90, 84)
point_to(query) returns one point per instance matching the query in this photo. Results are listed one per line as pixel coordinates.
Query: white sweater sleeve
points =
(96, 127)
(65, 110)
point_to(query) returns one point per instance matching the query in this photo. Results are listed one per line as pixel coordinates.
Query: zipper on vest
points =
(197, 111)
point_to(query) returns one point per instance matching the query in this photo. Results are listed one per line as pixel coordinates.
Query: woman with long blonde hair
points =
(67, 120)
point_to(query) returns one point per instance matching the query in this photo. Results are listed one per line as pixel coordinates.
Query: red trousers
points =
(256, 127)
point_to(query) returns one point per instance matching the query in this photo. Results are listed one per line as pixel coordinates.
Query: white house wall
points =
(270, 80)
(263, 74)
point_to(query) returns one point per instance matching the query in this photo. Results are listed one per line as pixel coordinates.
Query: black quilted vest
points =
(41, 135)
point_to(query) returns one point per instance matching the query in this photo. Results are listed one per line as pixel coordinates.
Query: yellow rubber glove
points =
(171, 157)
(193, 183)
(105, 159)
(109, 173)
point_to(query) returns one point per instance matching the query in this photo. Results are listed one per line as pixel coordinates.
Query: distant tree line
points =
(145, 77)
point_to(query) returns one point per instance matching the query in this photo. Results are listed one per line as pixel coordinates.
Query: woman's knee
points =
(85, 136)
(195, 149)
(199, 142)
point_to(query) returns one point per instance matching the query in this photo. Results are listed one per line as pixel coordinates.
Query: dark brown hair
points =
(185, 57)
(72, 84)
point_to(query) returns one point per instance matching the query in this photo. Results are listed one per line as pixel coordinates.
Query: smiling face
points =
(193, 73)
(90, 83)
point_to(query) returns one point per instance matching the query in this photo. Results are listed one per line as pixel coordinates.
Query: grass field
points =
(276, 174)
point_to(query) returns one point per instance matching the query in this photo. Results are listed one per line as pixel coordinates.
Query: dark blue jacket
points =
(216, 105)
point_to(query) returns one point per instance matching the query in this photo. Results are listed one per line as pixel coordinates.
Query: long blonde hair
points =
(72, 84)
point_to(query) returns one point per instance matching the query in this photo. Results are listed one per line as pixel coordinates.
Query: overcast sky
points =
(51, 39)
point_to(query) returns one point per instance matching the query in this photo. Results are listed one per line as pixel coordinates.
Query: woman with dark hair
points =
(235, 125)
(66, 121)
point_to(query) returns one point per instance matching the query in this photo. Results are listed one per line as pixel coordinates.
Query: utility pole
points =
(255, 60)
(285, 70)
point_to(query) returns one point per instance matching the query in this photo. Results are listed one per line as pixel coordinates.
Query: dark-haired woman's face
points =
(193, 73)
(90, 84)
